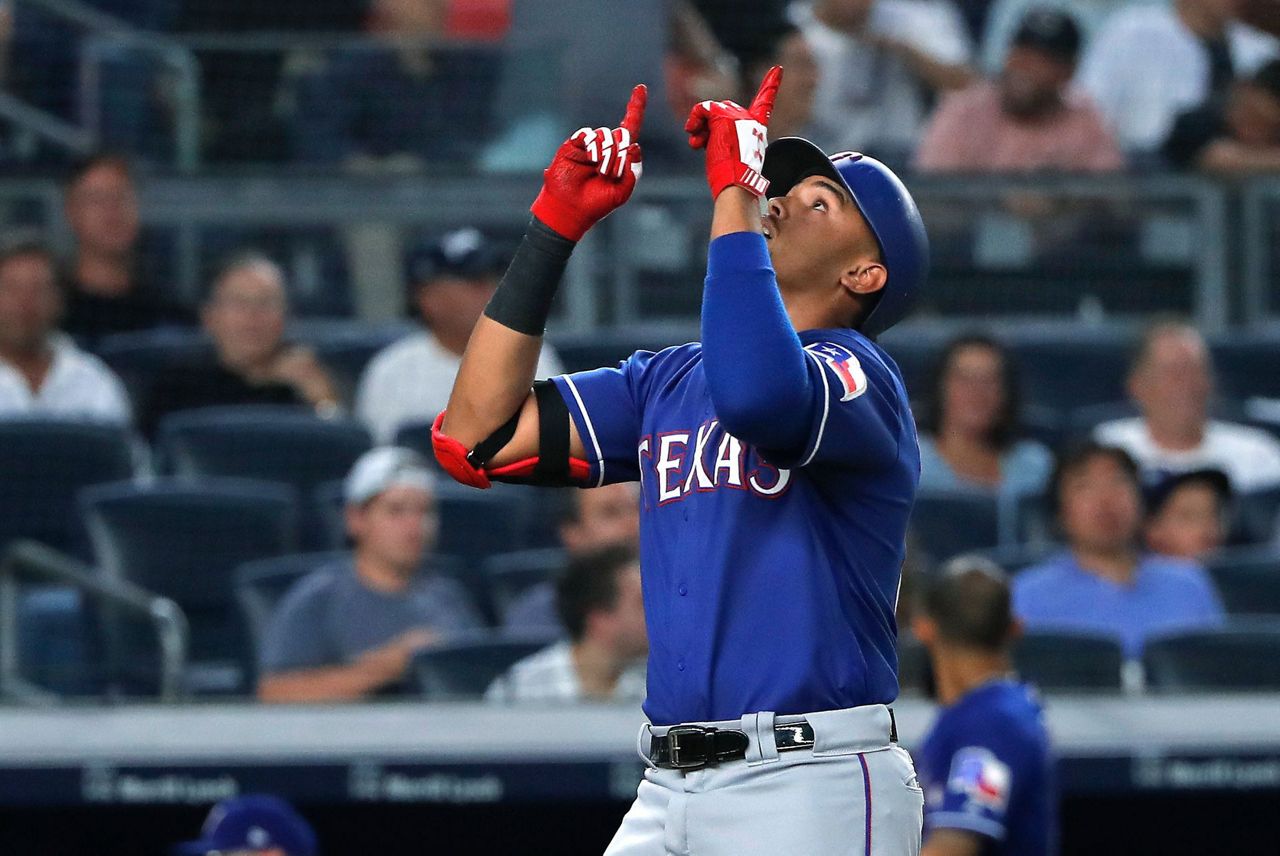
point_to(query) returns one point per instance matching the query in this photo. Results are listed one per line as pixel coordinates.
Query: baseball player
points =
(777, 462)
(985, 765)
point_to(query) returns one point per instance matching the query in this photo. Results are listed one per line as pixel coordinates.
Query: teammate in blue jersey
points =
(986, 765)
(778, 463)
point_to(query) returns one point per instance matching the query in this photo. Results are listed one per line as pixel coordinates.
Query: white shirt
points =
(78, 386)
(410, 381)
(1144, 67)
(549, 676)
(868, 98)
(1250, 457)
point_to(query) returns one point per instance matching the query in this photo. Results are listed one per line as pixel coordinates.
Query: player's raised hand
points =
(593, 173)
(735, 137)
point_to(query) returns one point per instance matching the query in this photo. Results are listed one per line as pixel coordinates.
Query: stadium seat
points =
(1248, 579)
(1069, 661)
(608, 347)
(184, 541)
(1064, 372)
(465, 668)
(345, 348)
(1254, 516)
(282, 444)
(1243, 657)
(1245, 364)
(416, 436)
(915, 672)
(261, 584)
(1018, 557)
(43, 463)
(947, 523)
(512, 574)
(140, 358)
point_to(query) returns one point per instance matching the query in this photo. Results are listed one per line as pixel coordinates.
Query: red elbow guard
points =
(452, 456)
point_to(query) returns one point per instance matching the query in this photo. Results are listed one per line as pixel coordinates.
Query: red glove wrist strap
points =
(732, 172)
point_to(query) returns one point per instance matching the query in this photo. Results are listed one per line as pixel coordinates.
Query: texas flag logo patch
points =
(981, 777)
(844, 364)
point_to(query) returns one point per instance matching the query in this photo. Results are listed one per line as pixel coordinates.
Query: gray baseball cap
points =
(385, 467)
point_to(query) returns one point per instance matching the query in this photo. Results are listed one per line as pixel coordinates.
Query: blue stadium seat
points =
(1248, 579)
(1069, 661)
(608, 347)
(1245, 364)
(282, 444)
(1241, 657)
(345, 348)
(261, 584)
(1064, 372)
(464, 669)
(184, 541)
(141, 358)
(510, 575)
(43, 463)
(947, 523)
(1255, 515)
(1018, 557)
(416, 436)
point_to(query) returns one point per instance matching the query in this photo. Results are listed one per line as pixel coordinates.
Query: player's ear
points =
(864, 277)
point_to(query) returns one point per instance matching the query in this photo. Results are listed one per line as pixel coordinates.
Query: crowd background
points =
(244, 245)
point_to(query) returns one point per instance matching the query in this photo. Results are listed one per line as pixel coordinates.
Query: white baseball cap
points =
(385, 467)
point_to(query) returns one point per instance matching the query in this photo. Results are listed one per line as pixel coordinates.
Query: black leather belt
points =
(692, 747)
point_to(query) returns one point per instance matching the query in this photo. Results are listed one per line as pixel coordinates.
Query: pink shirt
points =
(970, 132)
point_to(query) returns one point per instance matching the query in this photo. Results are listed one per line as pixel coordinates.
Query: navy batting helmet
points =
(886, 205)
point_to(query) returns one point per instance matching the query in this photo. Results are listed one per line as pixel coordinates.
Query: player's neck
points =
(813, 311)
(958, 671)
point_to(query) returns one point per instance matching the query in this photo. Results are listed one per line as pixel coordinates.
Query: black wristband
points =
(523, 299)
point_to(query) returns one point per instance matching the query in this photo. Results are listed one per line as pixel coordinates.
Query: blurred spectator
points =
(1238, 134)
(971, 424)
(106, 290)
(245, 316)
(351, 630)
(1187, 514)
(257, 824)
(1149, 63)
(742, 34)
(566, 65)
(450, 282)
(793, 111)
(986, 766)
(1005, 16)
(697, 65)
(42, 372)
(1263, 14)
(1171, 381)
(879, 64)
(596, 518)
(398, 104)
(1103, 583)
(600, 603)
(1027, 119)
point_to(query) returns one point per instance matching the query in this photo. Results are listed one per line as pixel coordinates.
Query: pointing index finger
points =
(635, 110)
(762, 104)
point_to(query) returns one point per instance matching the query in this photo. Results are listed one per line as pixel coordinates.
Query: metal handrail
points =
(108, 31)
(30, 560)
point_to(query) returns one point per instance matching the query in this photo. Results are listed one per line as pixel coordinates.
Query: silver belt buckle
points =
(674, 734)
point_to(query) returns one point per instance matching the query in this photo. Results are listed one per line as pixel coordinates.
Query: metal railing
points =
(106, 36)
(1260, 221)
(29, 561)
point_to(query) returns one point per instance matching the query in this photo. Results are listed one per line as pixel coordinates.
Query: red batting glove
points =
(735, 137)
(592, 174)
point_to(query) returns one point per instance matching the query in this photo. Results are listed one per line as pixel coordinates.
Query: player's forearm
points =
(337, 683)
(755, 363)
(502, 354)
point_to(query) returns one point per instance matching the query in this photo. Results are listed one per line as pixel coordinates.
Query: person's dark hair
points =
(82, 166)
(969, 600)
(590, 582)
(1268, 78)
(1004, 430)
(1081, 454)
(241, 258)
(24, 243)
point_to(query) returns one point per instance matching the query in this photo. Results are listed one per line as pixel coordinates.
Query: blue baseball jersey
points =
(770, 576)
(986, 768)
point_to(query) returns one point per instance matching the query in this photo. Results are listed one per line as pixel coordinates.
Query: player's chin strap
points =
(552, 466)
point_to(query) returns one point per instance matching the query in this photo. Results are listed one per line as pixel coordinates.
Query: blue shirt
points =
(1024, 468)
(986, 768)
(1166, 595)
(770, 578)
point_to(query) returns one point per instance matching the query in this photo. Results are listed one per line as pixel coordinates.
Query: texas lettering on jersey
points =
(706, 459)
